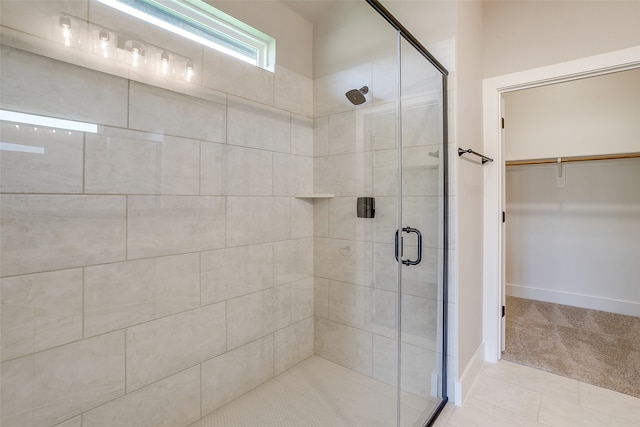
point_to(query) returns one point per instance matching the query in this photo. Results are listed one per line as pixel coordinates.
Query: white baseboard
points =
(463, 384)
(629, 308)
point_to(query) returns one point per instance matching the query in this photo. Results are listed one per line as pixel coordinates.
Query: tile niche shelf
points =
(314, 196)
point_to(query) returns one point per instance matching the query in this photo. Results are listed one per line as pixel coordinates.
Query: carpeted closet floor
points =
(594, 347)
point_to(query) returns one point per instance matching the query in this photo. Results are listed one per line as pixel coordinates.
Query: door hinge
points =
(504, 216)
(502, 122)
(504, 311)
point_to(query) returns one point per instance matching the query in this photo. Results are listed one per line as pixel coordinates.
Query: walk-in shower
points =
(205, 240)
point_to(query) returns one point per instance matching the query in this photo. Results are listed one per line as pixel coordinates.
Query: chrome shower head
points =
(356, 96)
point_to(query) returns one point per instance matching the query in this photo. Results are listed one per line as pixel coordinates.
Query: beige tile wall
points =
(157, 269)
(356, 287)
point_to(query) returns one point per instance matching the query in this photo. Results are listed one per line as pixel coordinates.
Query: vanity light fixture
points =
(65, 24)
(104, 41)
(164, 62)
(136, 51)
(113, 46)
(188, 19)
(190, 71)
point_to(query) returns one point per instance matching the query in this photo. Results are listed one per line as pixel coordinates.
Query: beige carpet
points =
(591, 346)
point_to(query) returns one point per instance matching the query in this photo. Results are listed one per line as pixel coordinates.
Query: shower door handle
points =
(400, 246)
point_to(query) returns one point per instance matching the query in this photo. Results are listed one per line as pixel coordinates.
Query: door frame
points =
(493, 248)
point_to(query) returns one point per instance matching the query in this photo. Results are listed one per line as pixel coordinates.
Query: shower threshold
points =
(319, 393)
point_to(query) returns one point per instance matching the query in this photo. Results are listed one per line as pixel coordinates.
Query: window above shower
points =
(198, 21)
(164, 43)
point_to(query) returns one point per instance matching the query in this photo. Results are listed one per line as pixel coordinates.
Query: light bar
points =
(32, 119)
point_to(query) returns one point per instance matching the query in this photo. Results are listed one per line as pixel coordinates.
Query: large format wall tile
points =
(164, 225)
(233, 272)
(301, 135)
(38, 85)
(253, 220)
(293, 92)
(418, 365)
(321, 297)
(258, 126)
(302, 218)
(293, 260)
(344, 174)
(41, 233)
(121, 161)
(56, 167)
(293, 344)
(420, 321)
(419, 280)
(342, 133)
(165, 346)
(301, 299)
(237, 77)
(40, 311)
(73, 422)
(126, 293)
(349, 304)
(256, 315)
(247, 172)
(344, 260)
(235, 171)
(321, 136)
(232, 374)
(344, 222)
(54, 385)
(328, 91)
(173, 401)
(171, 113)
(292, 174)
(25, 17)
(347, 346)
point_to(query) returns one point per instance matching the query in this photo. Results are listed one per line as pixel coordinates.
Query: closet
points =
(572, 183)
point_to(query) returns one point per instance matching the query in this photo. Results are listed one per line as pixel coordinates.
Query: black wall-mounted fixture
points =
(366, 207)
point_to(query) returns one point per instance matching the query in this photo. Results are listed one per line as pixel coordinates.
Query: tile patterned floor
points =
(510, 395)
(318, 393)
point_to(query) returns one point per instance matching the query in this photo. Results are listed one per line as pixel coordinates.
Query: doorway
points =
(493, 89)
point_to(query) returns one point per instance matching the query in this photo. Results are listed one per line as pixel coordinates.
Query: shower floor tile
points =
(319, 393)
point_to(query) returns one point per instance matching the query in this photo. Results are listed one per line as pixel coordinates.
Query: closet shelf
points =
(314, 196)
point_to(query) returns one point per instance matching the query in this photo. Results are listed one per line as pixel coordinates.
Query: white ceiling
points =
(312, 10)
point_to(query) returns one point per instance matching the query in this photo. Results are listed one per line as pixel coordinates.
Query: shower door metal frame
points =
(406, 35)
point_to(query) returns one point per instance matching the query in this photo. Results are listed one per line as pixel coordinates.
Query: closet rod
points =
(573, 159)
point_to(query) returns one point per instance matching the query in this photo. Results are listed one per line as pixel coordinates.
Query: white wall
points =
(520, 35)
(468, 193)
(576, 245)
(596, 115)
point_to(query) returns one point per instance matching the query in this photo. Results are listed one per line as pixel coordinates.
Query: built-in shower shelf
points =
(314, 196)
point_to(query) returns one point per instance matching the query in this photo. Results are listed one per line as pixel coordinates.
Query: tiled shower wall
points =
(161, 267)
(356, 290)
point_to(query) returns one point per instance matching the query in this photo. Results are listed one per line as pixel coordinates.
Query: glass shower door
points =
(421, 249)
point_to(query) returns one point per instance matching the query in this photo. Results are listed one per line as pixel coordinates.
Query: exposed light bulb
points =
(104, 43)
(65, 24)
(164, 61)
(190, 70)
(135, 54)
